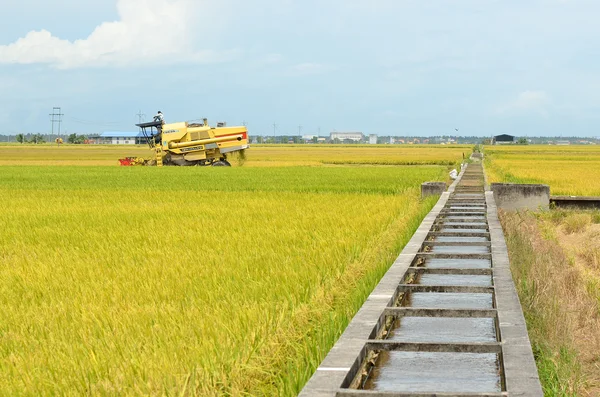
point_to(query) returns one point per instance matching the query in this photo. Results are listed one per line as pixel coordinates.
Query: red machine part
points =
(127, 161)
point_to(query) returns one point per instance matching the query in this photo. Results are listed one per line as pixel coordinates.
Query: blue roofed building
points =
(122, 138)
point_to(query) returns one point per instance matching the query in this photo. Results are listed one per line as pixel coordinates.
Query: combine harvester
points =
(190, 144)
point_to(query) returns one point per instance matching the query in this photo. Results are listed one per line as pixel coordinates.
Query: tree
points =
(76, 139)
(37, 138)
(20, 138)
(522, 141)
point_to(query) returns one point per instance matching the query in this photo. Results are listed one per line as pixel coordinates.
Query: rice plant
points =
(190, 281)
(569, 170)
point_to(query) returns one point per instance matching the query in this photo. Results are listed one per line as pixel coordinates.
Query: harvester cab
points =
(151, 132)
(190, 144)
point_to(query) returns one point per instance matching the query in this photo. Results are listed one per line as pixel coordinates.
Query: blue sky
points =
(400, 67)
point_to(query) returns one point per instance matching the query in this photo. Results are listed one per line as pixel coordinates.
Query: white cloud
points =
(148, 31)
(527, 102)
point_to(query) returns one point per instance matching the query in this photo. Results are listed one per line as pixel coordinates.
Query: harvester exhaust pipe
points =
(173, 145)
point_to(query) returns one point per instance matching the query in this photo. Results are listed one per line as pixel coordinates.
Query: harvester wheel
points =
(223, 163)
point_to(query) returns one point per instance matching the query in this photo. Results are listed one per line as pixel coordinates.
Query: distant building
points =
(373, 139)
(347, 136)
(563, 143)
(122, 138)
(503, 139)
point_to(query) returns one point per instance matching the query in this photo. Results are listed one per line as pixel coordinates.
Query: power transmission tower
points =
(299, 130)
(141, 116)
(274, 130)
(56, 117)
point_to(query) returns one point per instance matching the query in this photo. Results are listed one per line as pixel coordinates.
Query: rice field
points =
(569, 170)
(258, 155)
(188, 281)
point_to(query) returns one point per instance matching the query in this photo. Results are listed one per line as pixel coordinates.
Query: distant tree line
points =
(76, 139)
(35, 138)
(39, 138)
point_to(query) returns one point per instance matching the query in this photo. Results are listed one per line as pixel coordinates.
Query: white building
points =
(122, 138)
(309, 138)
(373, 139)
(347, 136)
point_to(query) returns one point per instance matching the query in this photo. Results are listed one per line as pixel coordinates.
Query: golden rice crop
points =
(569, 170)
(191, 281)
(51, 154)
(265, 155)
(257, 155)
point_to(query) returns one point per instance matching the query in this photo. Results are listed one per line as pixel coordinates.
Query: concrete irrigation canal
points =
(445, 320)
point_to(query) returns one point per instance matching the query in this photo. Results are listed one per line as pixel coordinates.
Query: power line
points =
(141, 116)
(56, 117)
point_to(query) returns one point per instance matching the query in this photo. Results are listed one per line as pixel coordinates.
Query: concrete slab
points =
(518, 196)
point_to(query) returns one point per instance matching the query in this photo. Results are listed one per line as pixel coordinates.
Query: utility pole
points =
(141, 116)
(56, 117)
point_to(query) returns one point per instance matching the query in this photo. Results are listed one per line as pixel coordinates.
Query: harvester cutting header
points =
(191, 144)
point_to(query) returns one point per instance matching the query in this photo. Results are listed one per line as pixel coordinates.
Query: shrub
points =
(576, 223)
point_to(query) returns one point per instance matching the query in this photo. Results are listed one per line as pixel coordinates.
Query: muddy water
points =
(455, 279)
(443, 330)
(449, 300)
(470, 211)
(432, 372)
(459, 239)
(472, 223)
(459, 230)
(460, 249)
(464, 213)
(455, 218)
(435, 372)
(441, 263)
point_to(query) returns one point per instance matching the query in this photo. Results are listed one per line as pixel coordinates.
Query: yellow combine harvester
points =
(189, 144)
